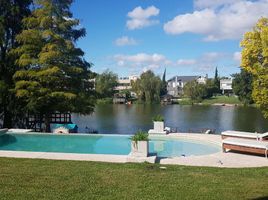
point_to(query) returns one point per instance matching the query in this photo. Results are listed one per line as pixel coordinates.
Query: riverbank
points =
(232, 100)
(51, 179)
(217, 100)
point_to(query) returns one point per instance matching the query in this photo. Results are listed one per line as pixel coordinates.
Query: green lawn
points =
(223, 100)
(48, 179)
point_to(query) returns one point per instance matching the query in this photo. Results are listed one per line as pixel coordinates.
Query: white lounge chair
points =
(245, 145)
(245, 135)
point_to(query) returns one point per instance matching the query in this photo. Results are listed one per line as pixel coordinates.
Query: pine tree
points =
(217, 81)
(11, 15)
(53, 75)
(164, 76)
(163, 84)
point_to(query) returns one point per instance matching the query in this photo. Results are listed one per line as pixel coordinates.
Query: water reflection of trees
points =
(127, 119)
(7, 139)
(249, 119)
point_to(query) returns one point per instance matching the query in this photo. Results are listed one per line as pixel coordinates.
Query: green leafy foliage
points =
(53, 74)
(216, 81)
(158, 118)
(255, 62)
(195, 91)
(242, 86)
(105, 84)
(148, 87)
(163, 90)
(11, 15)
(140, 136)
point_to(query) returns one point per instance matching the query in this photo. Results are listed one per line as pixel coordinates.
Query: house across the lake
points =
(226, 85)
(124, 83)
(175, 85)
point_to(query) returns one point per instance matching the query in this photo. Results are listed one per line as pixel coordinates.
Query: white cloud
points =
(201, 4)
(237, 57)
(185, 62)
(142, 60)
(212, 57)
(203, 64)
(123, 41)
(218, 21)
(140, 17)
(192, 23)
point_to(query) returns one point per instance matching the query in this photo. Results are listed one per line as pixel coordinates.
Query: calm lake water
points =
(127, 119)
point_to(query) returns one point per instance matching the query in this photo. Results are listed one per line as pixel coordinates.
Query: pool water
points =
(100, 144)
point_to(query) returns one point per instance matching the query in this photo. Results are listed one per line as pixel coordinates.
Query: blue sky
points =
(187, 37)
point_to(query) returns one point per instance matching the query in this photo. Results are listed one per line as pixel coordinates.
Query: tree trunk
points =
(47, 123)
(7, 121)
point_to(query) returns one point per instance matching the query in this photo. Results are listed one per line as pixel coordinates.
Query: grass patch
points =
(222, 100)
(104, 101)
(50, 179)
(185, 101)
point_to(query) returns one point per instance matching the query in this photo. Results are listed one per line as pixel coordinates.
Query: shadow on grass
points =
(158, 159)
(261, 198)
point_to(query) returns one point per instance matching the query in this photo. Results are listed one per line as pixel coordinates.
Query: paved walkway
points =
(220, 159)
(230, 160)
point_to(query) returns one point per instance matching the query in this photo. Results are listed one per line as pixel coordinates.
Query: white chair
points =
(245, 135)
(245, 145)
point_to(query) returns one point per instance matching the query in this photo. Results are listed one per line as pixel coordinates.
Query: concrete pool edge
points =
(219, 159)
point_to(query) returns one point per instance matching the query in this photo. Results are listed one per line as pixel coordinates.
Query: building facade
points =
(124, 83)
(175, 85)
(226, 85)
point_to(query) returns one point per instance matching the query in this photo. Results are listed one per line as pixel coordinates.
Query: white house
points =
(175, 85)
(226, 85)
(124, 83)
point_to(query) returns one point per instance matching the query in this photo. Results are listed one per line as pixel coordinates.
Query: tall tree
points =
(195, 91)
(164, 76)
(148, 87)
(53, 75)
(11, 15)
(163, 84)
(255, 61)
(217, 81)
(242, 86)
(105, 84)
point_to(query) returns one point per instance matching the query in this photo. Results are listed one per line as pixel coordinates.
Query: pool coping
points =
(219, 159)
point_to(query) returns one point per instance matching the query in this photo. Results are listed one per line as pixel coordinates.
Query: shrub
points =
(105, 101)
(158, 118)
(140, 136)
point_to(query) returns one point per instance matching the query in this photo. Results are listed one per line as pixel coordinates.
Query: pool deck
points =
(219, 159)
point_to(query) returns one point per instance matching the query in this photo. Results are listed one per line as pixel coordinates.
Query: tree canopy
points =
(53, 74)
(163, 90)
(148, 87)
(105, 84)
(217, 81)
(255, 61)
(242, 86)
(11, 15)
(196, 91)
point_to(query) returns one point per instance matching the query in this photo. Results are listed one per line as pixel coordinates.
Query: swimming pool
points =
(100, 144)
